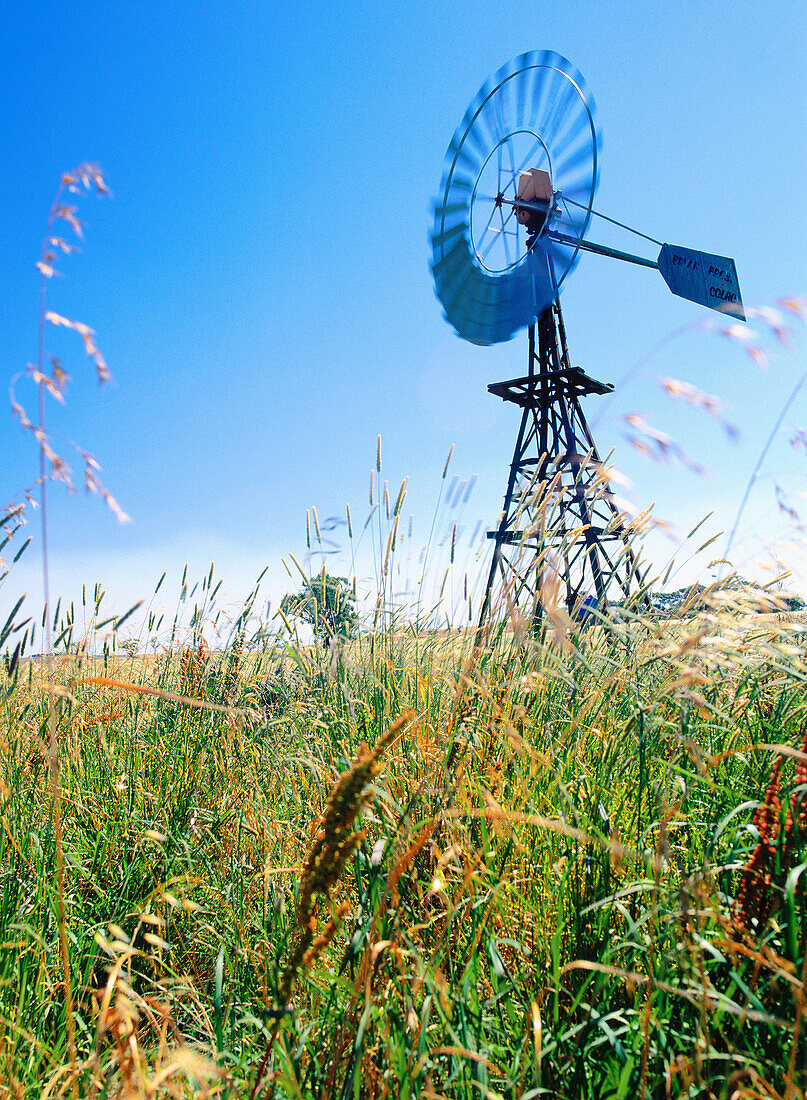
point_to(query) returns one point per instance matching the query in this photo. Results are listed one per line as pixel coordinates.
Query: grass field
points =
(572, 867)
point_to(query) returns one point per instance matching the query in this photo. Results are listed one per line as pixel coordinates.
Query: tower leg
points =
(496, 561)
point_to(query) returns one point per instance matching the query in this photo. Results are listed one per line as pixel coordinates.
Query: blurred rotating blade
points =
(536, 109)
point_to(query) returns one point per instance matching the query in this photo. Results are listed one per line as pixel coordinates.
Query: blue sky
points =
(259, 281)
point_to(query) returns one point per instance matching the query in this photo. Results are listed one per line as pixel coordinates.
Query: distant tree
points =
(325, 603)
(688, 600)
(130, 646)
(671, 603)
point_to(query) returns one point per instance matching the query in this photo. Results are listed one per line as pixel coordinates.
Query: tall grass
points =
(526, 885)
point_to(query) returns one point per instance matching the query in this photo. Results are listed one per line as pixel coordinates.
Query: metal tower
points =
(559, 524)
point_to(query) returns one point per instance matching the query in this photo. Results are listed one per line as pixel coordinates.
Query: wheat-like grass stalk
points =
(332, 846)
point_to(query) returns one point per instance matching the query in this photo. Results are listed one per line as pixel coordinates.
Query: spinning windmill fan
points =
(516, 201)
(515, 206)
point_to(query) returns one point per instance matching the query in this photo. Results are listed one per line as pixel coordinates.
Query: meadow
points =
(569, 865)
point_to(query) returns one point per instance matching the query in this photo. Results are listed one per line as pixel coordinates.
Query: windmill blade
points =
(703, 278)
(493, 274)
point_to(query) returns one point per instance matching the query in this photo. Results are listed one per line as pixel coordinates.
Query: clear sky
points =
(259, 280)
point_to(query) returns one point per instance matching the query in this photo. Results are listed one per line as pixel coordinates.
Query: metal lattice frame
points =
(559, 526)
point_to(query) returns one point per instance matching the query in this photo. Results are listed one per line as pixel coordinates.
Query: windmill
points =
(515, 206)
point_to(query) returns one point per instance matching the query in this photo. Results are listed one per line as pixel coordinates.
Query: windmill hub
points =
(535, 204)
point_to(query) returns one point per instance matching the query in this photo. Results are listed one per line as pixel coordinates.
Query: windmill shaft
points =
(601, 249)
